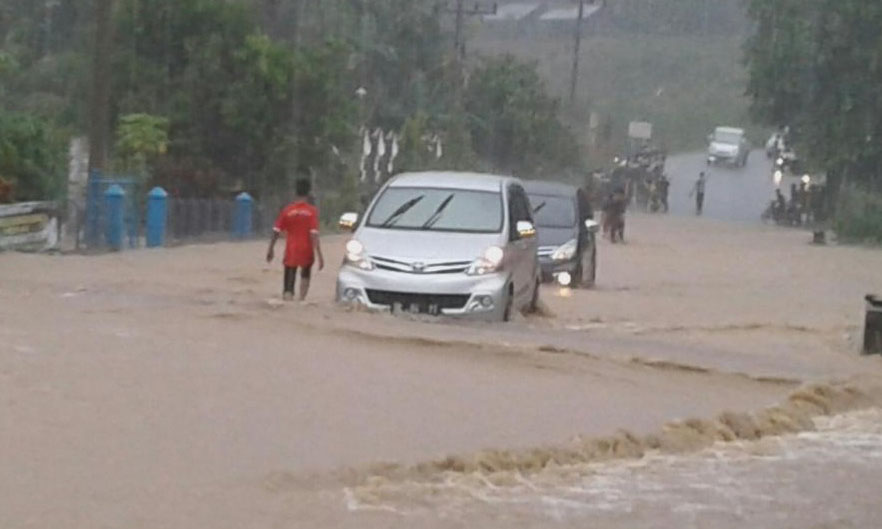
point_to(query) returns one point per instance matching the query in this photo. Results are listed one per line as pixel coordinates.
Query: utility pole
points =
(100, 111)
(461, 12)
(577, 45)
(577, 48)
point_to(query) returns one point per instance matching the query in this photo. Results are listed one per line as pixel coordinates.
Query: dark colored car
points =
(567, 233)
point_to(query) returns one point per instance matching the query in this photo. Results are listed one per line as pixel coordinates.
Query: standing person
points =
(614, 215)
(794, 213)
(299, 222)
(664, 187)
(698, 191)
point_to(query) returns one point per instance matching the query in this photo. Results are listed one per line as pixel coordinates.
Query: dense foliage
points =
(31, 159)
(216, 96)
(817, 66)
(514, 122)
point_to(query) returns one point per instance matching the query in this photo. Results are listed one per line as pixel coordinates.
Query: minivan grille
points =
(396, 265)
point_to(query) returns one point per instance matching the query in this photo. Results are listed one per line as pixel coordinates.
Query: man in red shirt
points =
(299, 222)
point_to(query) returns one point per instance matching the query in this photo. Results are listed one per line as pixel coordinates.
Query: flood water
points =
(827, 478)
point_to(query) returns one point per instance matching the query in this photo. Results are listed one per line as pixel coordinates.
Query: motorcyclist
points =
(780, 205)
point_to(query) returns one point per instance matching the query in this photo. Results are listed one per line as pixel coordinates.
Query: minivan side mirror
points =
(525, 229)
(348, 221)
(592, 226)
(710, 138)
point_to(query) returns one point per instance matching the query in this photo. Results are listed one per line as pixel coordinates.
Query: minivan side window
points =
(518, 210)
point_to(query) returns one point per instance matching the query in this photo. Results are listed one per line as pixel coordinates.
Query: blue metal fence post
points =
(243, 218)
(113, 206)
(157, 215)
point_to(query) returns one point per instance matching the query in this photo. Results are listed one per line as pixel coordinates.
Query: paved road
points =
(740, 194)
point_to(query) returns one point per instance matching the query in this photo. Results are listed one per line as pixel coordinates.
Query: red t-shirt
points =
(298, 221)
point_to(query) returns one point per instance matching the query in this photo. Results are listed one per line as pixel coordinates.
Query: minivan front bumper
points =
(722, 157)
(455, 295)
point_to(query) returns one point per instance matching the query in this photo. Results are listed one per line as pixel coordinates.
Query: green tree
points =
(817, 66)
(31, 158)
(326, 110)
(514, 123)
(140, 138)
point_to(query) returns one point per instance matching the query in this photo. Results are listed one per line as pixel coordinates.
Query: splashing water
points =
(829, 477)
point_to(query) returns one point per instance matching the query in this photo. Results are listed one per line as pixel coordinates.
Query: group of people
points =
(638, 179)
(805, 205)
(652, 192)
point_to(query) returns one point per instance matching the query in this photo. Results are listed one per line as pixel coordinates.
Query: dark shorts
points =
(291, 276)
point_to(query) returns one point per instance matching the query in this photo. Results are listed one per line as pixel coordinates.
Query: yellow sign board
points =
(23, 224)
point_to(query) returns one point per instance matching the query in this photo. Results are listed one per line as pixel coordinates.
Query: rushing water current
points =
(827, 478)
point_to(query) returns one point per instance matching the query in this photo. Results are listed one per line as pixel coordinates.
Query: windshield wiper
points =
(538, 208)
(438, 212)
(402, 209)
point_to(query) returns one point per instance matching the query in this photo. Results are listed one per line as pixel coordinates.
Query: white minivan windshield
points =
(434, 209)
(727, 137)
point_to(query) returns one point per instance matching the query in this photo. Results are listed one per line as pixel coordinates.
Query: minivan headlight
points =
(489, 262)
(356, 256)
(566, 252)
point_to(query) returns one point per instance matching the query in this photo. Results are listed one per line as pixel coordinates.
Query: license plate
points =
(432, 309)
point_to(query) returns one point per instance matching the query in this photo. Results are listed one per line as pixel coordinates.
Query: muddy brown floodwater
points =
(711, 380)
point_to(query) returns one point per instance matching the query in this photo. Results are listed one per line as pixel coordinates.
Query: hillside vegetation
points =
(663, 62)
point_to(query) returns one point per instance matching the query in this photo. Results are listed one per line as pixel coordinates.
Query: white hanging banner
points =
(381, 151)
(393, 154)
(439, 149)
(365, 152)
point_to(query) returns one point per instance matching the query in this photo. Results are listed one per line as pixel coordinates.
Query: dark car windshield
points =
(432, 209)
(553, 211)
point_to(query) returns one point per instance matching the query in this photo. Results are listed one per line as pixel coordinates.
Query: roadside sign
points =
(28, 226)
(640, 130)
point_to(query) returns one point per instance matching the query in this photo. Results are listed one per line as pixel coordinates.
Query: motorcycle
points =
(781, 215)
(787, 162)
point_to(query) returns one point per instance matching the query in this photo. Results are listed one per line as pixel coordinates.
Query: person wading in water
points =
(698, 191)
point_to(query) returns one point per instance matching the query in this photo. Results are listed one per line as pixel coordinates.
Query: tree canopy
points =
(816, 65)
(217, 96)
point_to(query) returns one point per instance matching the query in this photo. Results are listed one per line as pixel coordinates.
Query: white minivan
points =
(443, 243)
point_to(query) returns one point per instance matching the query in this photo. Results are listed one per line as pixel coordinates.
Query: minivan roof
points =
(452, 180)
(733, 130)
(542, 187)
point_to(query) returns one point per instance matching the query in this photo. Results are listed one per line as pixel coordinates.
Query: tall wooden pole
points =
(99, 127)
(577, 45)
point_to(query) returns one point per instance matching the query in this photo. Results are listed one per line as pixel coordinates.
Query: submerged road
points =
(733, 194)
